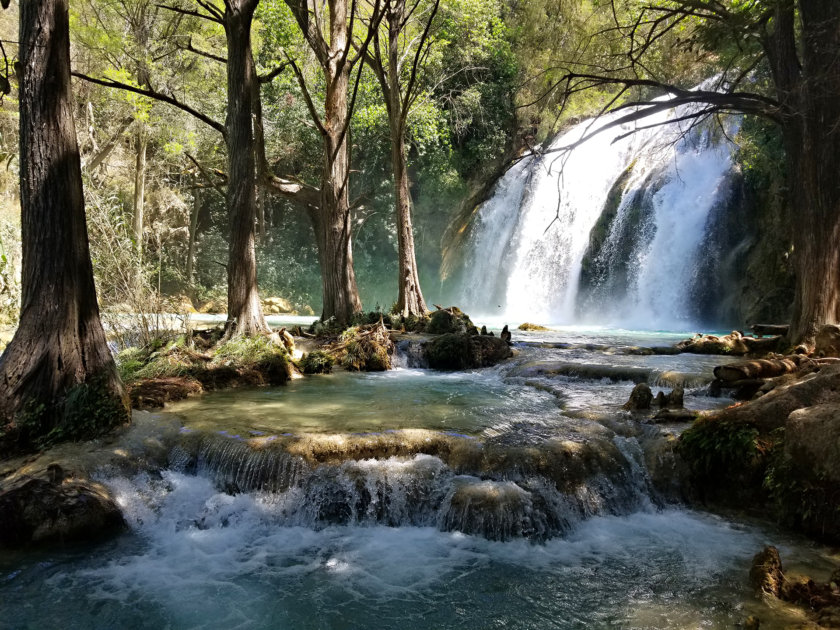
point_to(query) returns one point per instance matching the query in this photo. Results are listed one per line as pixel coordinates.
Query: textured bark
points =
(807, 80)
(330, 216)
(140, 188)
(410, 300)
(60, 343)
(333, 227)
(193, 230)
(398, 96)
(245, 315)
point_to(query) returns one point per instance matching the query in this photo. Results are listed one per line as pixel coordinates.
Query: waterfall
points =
(610, 233)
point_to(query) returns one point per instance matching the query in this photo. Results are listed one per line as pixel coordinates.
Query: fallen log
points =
(757, 369)
(759, 330)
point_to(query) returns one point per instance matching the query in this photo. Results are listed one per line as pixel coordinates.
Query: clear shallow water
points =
(198, 557)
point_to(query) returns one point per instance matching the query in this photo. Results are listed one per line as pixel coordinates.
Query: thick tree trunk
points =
(341, 295)
(808, 90)
(57, 373)
(410, 299)
(245, 315)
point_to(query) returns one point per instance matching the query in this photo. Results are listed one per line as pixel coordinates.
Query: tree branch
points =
(158, 96)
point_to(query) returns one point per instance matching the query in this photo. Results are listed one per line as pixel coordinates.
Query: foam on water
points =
(200, 558)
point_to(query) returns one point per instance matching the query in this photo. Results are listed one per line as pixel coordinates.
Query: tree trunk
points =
(57, 373)
(191, 246)
(245, 315)
(808, 92)
(410, 299)
(140, 189)
(341, 295)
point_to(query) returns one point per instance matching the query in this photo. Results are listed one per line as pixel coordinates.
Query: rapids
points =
(504, 497)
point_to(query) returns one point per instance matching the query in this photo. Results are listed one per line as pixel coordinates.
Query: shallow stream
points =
(501, 498)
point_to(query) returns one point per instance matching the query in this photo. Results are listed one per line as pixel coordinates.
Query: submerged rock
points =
(52, 508)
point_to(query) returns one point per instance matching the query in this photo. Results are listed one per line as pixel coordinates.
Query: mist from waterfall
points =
(528, 243)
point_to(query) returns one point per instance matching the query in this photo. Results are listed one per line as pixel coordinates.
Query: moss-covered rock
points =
(450, 320)
(316, 362)
(461, 351)
(528, 326)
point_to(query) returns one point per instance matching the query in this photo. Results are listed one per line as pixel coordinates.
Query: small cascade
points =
(491, 489)
(609, 233)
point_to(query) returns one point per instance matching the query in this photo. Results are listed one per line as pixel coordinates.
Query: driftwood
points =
(731, 373)
(760, 330)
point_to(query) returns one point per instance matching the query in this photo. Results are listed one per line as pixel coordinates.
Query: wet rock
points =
(640, 398)
(463, 351)
(505, 335)
(533, 327)
(766, 574)
(52, 508)
(752, 623)
(450, 320)
(674, 415)
(672, 400)
(827, 342)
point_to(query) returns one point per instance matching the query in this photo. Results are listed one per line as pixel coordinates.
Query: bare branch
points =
(158, 96)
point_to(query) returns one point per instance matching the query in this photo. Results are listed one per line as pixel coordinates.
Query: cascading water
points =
(610, 233)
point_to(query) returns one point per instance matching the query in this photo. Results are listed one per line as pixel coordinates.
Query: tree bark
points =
(245, 315)
(191, 246)
(57, 372)
(410, 299)
(341, 294)
(140, 189)
(807, 83)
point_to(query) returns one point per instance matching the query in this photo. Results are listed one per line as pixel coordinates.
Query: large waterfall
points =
(612, 232)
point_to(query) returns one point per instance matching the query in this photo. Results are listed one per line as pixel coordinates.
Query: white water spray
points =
(528, 241)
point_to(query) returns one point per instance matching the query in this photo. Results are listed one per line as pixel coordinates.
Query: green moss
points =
(317, 362)
(83, 412)
(449, 352)
(451, 320)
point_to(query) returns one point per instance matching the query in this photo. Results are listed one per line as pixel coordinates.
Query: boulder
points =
(449, 320)
(827, 342)
(640, 398)
(55, 508)
(461, 351)
(529, 326)
(672, 400)
(277, 305)
(812, 441)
